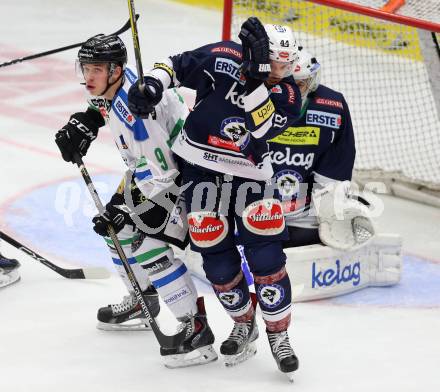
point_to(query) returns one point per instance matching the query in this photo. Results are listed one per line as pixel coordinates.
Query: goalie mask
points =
(283, 50)
(307, 73)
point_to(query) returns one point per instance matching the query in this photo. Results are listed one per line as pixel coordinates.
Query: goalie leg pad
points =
(320, 271)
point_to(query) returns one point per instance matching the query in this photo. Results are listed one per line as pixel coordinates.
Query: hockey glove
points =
(142, 102)
(255, 42)
(77, 135)
(116, 214)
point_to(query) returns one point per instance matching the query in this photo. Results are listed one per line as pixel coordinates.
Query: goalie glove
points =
(343, 220)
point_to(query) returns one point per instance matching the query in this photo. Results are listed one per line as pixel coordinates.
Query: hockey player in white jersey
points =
(8, 271)
(145, 147)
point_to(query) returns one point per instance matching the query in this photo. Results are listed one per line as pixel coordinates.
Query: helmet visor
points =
(280, 70)
(79, 70)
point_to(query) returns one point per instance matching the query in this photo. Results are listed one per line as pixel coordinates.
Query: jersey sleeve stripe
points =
(143, 175)
(255, 99)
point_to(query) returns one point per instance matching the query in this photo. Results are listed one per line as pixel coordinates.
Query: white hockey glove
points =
(343, 220)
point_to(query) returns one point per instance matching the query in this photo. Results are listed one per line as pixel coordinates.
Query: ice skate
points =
(128, 315)
(197, 347)
(283, 353)
(240, 345)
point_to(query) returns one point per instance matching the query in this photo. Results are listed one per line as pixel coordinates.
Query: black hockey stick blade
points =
(76, 273)
(123, 29)
(169, 341)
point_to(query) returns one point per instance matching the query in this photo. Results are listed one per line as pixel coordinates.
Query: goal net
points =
(388, 68)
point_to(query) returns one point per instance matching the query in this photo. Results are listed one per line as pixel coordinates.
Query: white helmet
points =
(282, 44)
(309, 70)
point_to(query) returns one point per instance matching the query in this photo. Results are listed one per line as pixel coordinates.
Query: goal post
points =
(387, 65)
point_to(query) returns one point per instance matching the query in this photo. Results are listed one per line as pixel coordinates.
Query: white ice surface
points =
(47, 323)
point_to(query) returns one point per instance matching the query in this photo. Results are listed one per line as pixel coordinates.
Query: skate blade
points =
(9, 278)
(233, 360)
(139, 325)
(290, 376)
(196, 357)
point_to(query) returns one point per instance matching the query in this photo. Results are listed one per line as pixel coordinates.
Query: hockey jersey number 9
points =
(145, 143)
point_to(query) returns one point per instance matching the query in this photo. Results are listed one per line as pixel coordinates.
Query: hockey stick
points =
(137, 49)
(123, 29)
(77, 273)
(165, 341)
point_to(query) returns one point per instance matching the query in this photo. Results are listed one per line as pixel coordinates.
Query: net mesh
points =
(421, 9)
(380, 67)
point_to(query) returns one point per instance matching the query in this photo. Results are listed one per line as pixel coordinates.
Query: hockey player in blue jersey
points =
(319, 148)
(144, 147)
(313, 162)
(226, 172)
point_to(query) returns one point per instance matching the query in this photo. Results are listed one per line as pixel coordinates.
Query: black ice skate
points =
(197, 347)
(240, 345)
(128, 315)
(283, 353)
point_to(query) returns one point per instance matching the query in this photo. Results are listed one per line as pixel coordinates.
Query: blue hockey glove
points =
(255, 42)
(142, 103)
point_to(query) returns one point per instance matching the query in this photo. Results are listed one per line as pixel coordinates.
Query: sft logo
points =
(350, 273)
(236, 99)
(207, 156)
(330, 120)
